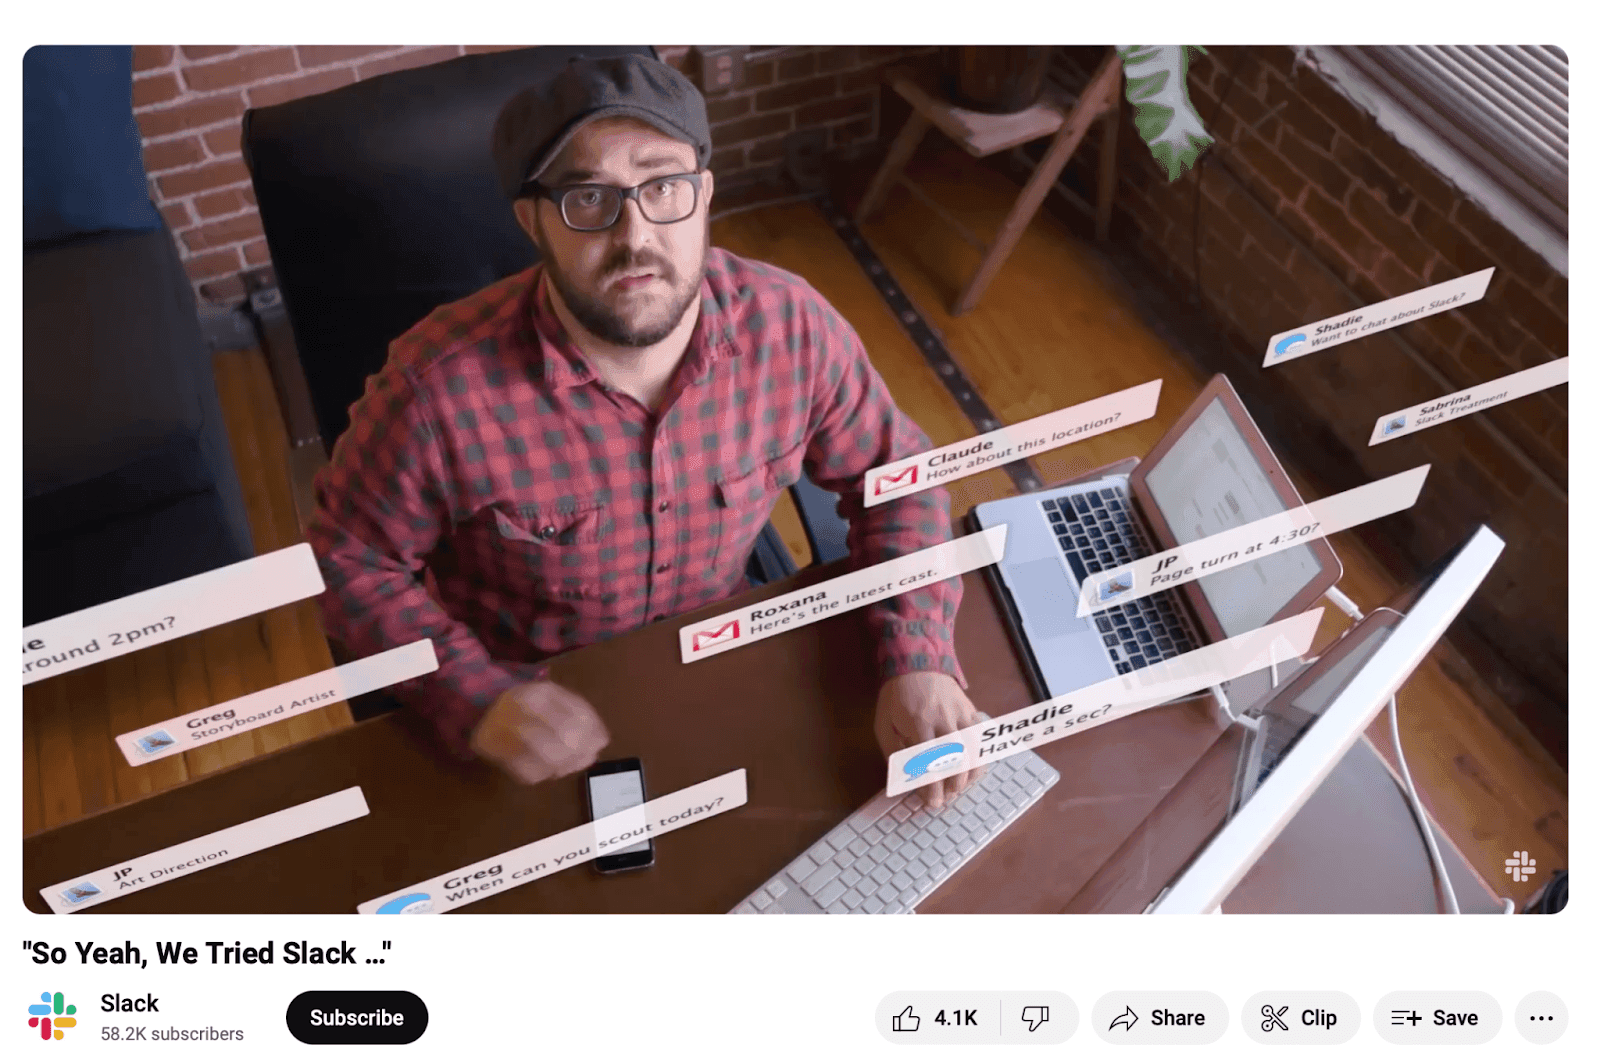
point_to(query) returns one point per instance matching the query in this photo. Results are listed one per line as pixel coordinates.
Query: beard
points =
(647, 324)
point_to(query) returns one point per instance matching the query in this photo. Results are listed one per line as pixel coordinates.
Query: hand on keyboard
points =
(916, 707)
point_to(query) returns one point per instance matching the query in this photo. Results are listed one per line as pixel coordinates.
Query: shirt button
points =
(663, 505)
(547, 532)
(663, 568)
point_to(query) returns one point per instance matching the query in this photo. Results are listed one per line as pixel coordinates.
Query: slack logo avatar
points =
(80, 892)
(154, 743)
(53, 1006)
(1287, 344)
(409, 905)
(941, 758)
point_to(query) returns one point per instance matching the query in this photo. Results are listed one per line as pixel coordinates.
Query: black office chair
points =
(380, 203)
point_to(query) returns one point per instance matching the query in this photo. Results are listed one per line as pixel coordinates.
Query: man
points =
(595, 443)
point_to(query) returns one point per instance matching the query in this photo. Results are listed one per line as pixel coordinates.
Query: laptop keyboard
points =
(1095, 532)
(891, 853)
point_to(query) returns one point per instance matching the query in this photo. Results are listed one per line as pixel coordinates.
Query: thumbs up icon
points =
(906, 1022)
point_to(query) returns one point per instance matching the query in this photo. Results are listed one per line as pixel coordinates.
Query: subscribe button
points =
(357, 1017)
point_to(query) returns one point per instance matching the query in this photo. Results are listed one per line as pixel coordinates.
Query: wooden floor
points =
(71, 767)
(1050, 332)
(1053, 331)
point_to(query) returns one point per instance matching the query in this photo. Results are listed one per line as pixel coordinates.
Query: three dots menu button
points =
(1541, 1018)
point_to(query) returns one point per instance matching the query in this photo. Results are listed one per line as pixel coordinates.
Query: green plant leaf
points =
(1158, 88)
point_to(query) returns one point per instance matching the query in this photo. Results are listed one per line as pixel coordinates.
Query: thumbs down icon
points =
(1035, 1015)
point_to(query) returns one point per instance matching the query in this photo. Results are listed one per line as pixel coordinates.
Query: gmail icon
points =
(727, 634)
(888, 483)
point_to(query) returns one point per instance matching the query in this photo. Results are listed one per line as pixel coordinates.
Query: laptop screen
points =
(1209, 481)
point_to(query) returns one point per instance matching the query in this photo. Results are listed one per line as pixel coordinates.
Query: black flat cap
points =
(539, 121)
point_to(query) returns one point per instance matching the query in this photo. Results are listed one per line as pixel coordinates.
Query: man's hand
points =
(916, 707)
(539, 731)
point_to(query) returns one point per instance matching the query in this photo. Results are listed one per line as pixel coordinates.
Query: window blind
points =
(1503, 106)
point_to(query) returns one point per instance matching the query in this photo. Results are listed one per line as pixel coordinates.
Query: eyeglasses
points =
(596, 207)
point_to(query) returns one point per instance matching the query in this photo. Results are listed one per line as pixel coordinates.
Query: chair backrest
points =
(380, 203)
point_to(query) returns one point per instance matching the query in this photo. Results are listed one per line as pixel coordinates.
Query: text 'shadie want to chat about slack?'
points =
(1379, 316)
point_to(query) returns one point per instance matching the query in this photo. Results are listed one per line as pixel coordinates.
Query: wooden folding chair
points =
(1065, 120)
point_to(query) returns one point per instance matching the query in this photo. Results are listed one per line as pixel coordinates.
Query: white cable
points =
(1254, 724)
(1227, 708)
(1343, 602)
(1422, 816)
(1346, 604)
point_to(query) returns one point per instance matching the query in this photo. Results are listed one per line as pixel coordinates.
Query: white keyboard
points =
(892, 852)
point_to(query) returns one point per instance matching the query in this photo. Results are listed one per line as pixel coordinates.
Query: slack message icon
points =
(727, 634)
(889, 483)
(938, 759)
(1288, 345)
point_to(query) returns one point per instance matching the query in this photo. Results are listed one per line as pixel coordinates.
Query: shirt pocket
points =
(564, 551)
(744, 505)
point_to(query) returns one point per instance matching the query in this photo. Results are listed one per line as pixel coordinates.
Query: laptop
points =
(1211, 472)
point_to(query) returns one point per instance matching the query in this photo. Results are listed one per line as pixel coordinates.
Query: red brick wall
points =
(1308, 209)
(189, 99)
(792, 89)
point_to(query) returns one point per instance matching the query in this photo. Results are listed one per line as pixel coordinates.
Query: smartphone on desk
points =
(615, 786)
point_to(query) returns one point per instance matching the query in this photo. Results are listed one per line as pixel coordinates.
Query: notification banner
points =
(1380, 316)
(840, 594)
(1252, 541)
(566, 849)
(165, 738)
(156, 615)
(1078, 711)
(1039, 434)
(1465, 402)
(207, 851)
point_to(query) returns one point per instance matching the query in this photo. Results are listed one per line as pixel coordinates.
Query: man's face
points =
(630, 284)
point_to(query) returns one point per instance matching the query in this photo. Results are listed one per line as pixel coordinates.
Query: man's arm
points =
(382, 504)
(855, 426)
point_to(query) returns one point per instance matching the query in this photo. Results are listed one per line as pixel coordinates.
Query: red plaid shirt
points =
(553, 512)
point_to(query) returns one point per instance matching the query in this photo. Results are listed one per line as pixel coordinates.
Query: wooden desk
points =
(1353, 847)
(795, 710)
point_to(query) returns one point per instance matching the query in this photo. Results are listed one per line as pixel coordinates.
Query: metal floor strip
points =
(928, 341)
